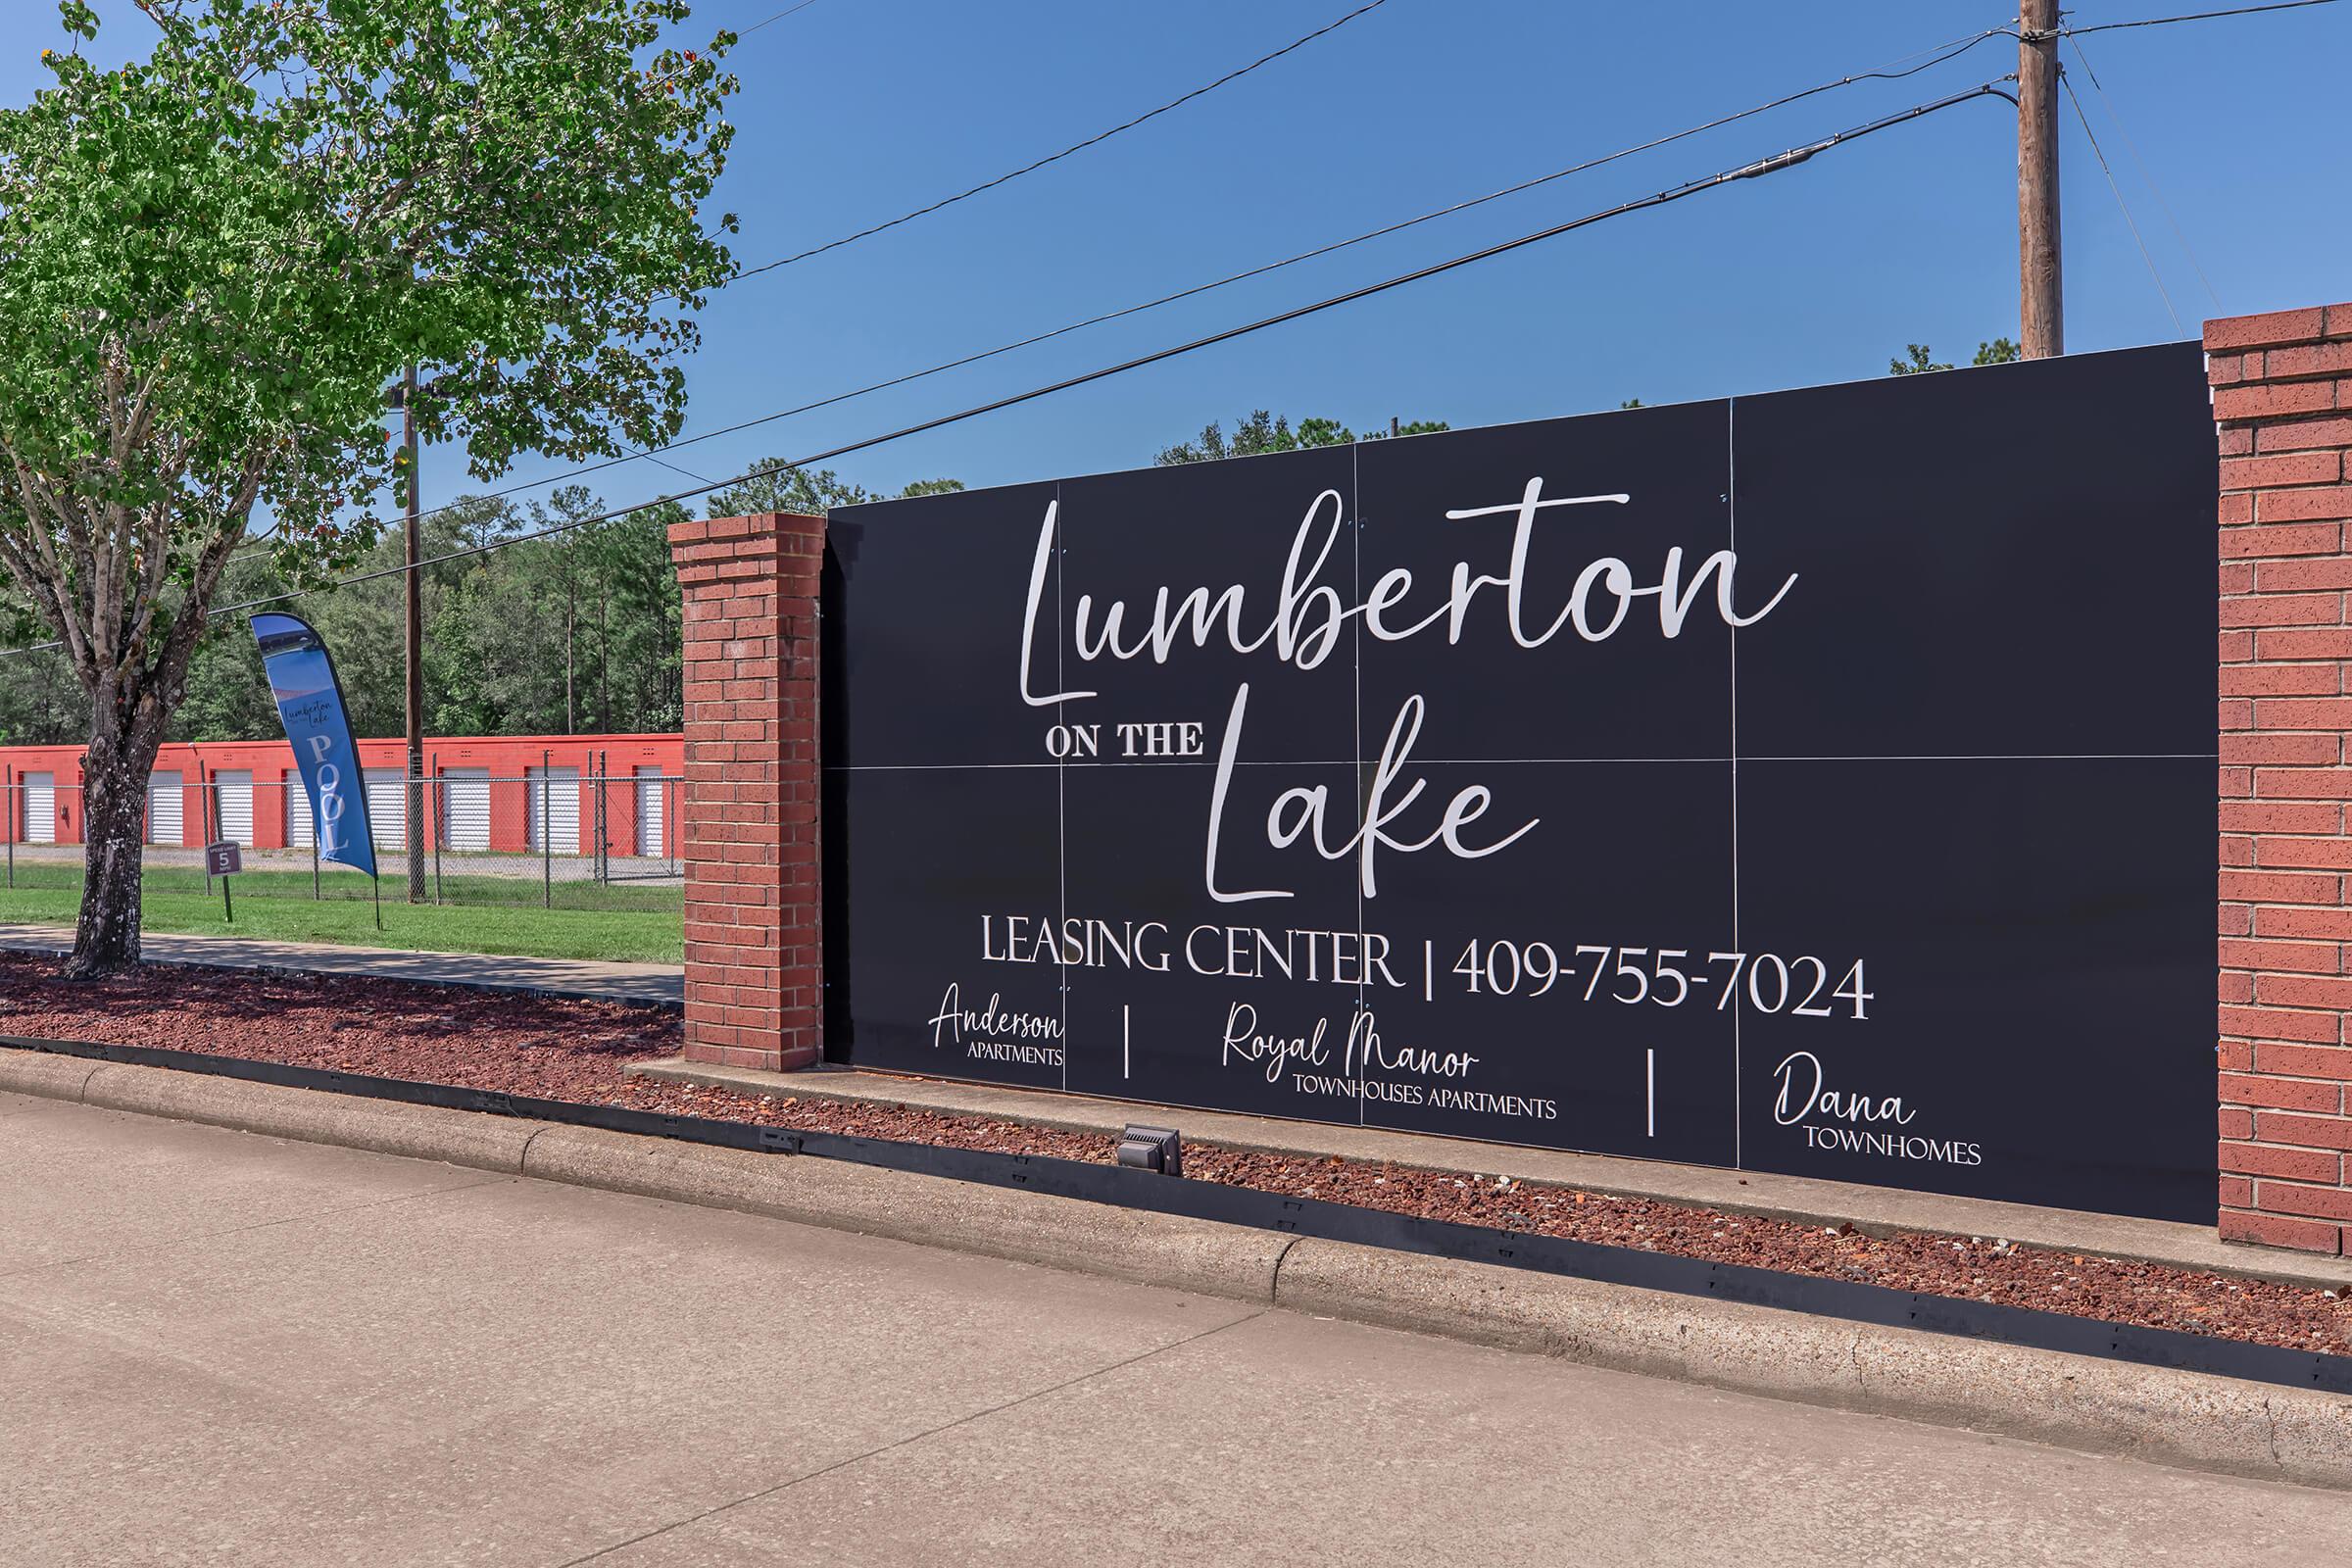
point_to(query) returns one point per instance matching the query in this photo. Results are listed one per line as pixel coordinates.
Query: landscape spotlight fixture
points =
(1154, 1149)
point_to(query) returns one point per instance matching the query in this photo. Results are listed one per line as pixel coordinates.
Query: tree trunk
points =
(113, 813)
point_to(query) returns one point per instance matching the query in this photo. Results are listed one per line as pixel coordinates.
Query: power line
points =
(1762, 167)
(1941, 52)
(1050, 158)
(2145, 173)
(2196, 15)
(1075, 147)
(1766, 166)
(934, 206)
(778, 16)
(2129, 221)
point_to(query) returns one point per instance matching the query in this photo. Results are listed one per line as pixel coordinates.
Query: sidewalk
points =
(657, 985)
(235, 1349)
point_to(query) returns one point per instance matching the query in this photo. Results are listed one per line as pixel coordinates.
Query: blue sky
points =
(854, 111)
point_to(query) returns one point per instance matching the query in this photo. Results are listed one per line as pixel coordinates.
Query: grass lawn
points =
(622, 921)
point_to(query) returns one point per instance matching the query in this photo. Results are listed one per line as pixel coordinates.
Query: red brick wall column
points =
(2283, 397)
(747, 829)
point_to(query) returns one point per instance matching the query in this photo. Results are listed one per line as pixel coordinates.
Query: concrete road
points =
(219, 1348)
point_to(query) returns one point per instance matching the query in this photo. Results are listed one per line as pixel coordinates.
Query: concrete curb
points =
(309, 1116)
(2181, 1418)
(1803, 1199)
(1180, 1254)
(27, 1072)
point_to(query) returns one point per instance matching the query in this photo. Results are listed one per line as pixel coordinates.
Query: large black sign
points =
(1818, 782)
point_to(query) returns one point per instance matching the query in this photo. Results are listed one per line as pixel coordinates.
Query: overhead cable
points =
(2145, 173)
(1772, 165)
(2130, 222)
(1054, 158)
(1941, 53)
(2195, 16)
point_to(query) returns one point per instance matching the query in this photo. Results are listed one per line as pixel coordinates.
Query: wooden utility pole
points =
(414, 708)
(2041, 284)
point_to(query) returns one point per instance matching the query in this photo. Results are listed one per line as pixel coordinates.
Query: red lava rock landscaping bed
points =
(575, 1050)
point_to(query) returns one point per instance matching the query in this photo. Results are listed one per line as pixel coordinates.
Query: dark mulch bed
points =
(575, 1049)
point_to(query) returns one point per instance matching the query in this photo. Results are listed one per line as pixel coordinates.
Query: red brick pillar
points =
(754, 965)
(2283, 396)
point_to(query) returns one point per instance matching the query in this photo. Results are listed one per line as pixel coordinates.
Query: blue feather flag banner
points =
(310, 703)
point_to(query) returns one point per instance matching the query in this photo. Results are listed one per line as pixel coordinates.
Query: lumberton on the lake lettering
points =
(1303, 628)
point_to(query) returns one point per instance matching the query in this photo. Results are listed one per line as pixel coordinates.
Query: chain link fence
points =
(561, 836)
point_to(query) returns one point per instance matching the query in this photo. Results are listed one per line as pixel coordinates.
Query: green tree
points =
(501, 628)
(932, 487)
(214, 261)
(1919, 361)
(640, 660)
(804, 490)
(227, 695)
(570, 633)
(1261, 432)
(38, 702)
(811, 492)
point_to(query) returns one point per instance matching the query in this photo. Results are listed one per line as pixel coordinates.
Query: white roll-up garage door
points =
(40, 807)
(554, 807)
(387, 805)
(465, 807)
(235, 788)
(300, 827)
(649, 801)
(163, 807)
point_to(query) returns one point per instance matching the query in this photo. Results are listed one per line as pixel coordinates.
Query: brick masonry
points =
(754, 908)
(2283, 399)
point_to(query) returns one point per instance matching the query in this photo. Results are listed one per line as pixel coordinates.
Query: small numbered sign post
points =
(223, 861)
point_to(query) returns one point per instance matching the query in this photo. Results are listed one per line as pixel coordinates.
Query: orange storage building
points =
(488, 794)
